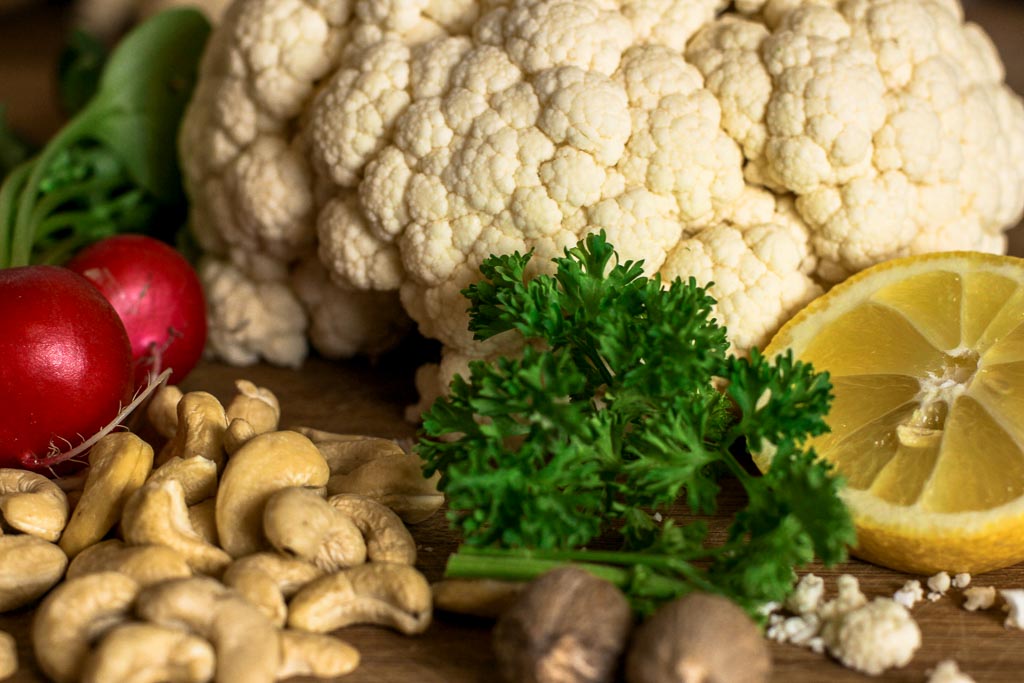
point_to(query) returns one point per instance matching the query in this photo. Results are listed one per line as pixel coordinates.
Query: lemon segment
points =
(926, 356)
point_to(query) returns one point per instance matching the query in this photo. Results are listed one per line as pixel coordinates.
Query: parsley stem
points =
(512, 568)
(12, 187)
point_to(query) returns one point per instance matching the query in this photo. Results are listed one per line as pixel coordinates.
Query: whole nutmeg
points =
(699, 638)
(567, 626)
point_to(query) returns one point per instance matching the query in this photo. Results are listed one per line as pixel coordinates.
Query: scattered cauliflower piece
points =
(874, 637)
(849, 598)
(938, 584)
(807, 595)
(979, 597)
(770, 147)
(798, 630)
(962, 580)
(1014, 598)
(910, 594)
(947, 671)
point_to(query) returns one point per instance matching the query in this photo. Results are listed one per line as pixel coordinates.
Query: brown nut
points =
(394, 480)
(301, 524)
(156, 514)
(200, 429)
(699, 637)
(313, 654)
(29, 566)
(486, 598)
(239, 433)
(245, 642)
(387, 539)
(267, 580)
(567, 626)
(73, 616)
(267, 463)
(32, 504)
(146, 564)
(147, 653)
(118, 465)
(393, 595)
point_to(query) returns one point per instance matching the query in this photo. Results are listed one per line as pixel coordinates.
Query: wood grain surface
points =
(369, 398)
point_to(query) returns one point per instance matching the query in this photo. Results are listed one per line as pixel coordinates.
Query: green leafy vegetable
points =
(113, 167)
(79, 68)
(13, 149)
(612, 413)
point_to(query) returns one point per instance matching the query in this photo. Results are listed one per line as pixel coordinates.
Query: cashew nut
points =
(162, 410)
(245, 642)
(73, 616)
(256, 405)
(239, 433)
(380, 469)
(313, 654)
(118, 465)
(267, 463)
(29, 566)
(382, 593)
(300, 523)
(204, 519)
(267, 580)
(147, 653)
(147, 564)
(487, 598)
(197, 475)
(394, 480)
(32, 504)
(9, 655)
(157, 514)
(200, 430)
(387, 539)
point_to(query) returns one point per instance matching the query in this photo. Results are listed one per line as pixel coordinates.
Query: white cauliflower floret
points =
(807, 595)
(938, 585)
(1014, 607)
(962, 580)
(849, 598)
(947, 671)
(910, 594)
(345, 322)
(979, 597)
(773, 147)
(249, 319)
(874, 637)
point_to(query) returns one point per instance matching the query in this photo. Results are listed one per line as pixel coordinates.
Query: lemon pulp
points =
(926, 356)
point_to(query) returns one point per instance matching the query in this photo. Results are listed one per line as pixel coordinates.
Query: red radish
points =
(158, 296)
(65, 364)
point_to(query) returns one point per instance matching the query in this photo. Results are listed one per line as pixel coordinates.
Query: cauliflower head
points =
(772, 147)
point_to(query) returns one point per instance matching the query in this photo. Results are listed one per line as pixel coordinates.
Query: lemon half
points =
(926, 356)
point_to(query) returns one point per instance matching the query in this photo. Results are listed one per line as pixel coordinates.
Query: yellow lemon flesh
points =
(926, 356)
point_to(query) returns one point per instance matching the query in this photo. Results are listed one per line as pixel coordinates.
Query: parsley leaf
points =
(625, 400)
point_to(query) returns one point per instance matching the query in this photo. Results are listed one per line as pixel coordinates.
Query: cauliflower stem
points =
(612, 413)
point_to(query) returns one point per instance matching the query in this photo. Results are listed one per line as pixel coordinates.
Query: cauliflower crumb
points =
(807, 595)
(910, 594)
(948, 672)
(850, 598)
(962, 580)
(979, 597)
(1015, 606)
(874, 637)
(940, 583)
(798, 630)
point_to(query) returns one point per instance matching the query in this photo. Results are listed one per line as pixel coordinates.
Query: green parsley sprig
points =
(623, 401)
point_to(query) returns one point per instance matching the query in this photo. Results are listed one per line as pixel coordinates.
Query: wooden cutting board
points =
(357, 397)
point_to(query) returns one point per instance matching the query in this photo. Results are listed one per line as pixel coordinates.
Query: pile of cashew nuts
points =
(229, 555)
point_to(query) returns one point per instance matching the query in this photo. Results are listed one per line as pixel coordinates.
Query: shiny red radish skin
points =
(158, 296)
(65, 364)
